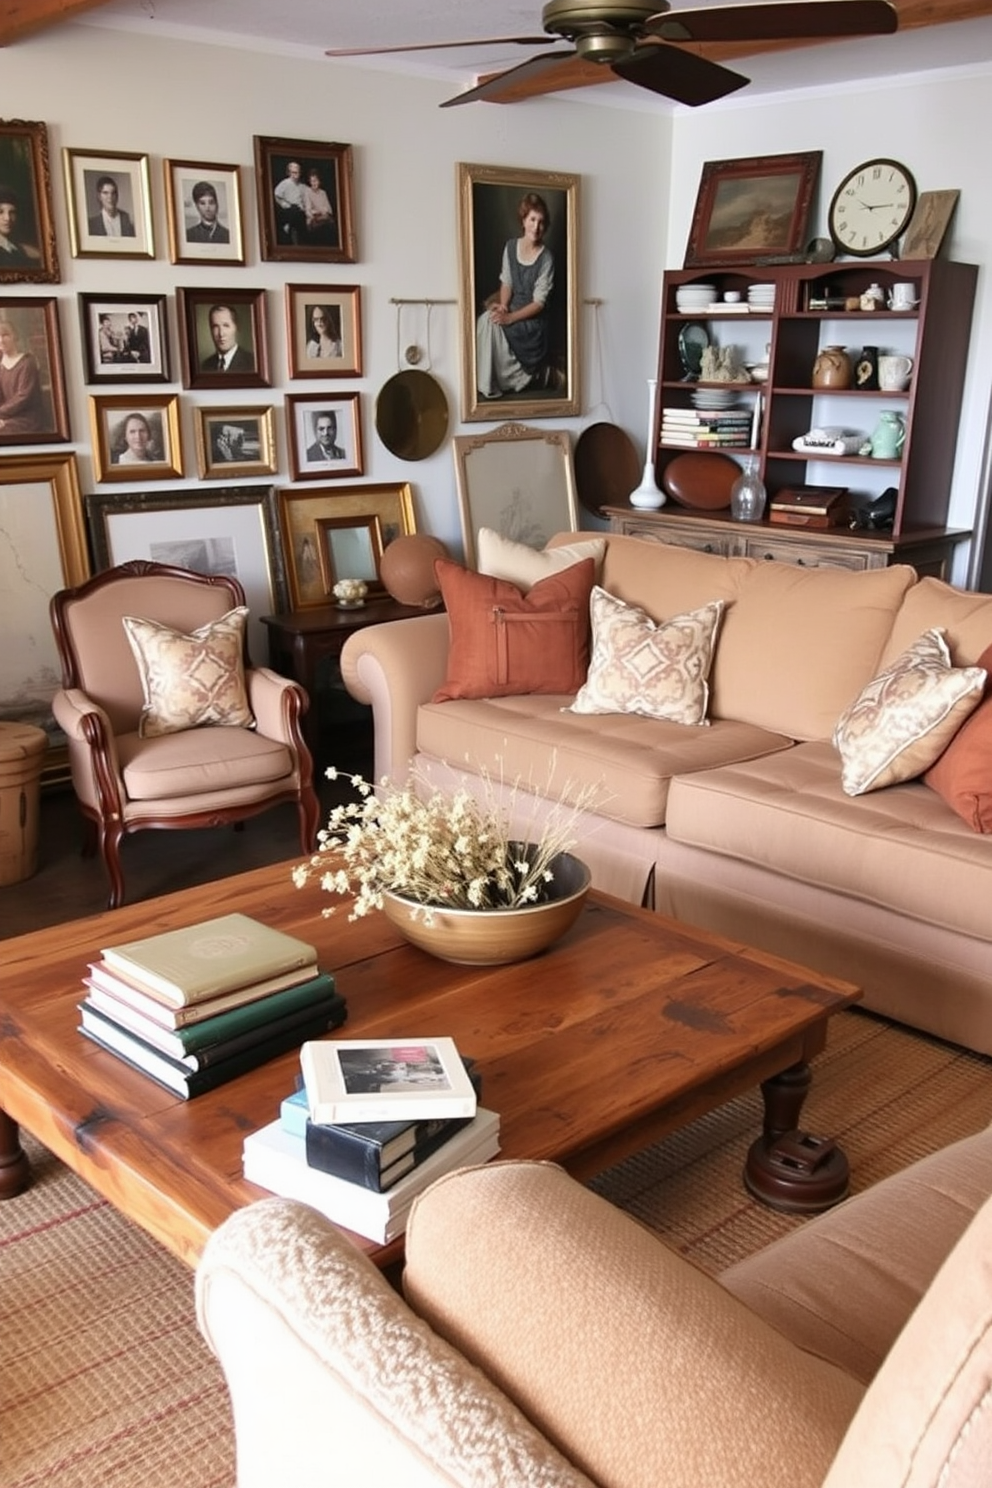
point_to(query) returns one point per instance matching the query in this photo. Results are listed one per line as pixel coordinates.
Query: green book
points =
(215, 1030)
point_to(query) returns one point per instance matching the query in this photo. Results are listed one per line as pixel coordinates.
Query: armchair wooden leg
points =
(110, 837)
(308, 809)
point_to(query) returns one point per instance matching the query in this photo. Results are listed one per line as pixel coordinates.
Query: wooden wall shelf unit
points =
(788, 334)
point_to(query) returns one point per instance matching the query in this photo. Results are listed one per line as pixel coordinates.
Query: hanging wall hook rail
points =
(395, 301)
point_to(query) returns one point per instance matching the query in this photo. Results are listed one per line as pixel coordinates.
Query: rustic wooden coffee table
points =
(631, 1026)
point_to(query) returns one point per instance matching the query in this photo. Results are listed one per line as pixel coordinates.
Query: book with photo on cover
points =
(399, 1079)
(201, 961)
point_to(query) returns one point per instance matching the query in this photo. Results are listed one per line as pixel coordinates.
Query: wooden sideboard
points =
(928, 550)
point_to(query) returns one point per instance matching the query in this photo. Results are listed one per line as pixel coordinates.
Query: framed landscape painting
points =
(749, 208)
(28, 250)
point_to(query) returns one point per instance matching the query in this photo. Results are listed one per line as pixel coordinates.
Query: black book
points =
(376, 1154)
(217, 1068)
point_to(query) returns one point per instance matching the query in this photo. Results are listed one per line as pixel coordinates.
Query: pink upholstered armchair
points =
(168, 723)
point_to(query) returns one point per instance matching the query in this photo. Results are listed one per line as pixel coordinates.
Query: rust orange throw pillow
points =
(504, 643)
(963, 773)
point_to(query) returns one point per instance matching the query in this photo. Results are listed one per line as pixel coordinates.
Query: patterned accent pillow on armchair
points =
(189, 680)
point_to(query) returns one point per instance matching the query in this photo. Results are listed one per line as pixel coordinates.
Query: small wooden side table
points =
(300, 640)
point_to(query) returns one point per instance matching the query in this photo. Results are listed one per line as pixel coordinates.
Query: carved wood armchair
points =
(167, 722)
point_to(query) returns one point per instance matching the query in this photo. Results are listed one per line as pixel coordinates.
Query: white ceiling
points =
(311, 26)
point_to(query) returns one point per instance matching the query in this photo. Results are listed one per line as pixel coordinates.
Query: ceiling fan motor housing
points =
(602, 30)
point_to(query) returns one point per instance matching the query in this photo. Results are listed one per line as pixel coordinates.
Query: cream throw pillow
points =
(499, 558)
(906, 716)
(189, 680)
(657, 668)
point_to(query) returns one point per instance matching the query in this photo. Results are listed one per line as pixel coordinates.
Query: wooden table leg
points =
(788, 1168)
(15, 1170)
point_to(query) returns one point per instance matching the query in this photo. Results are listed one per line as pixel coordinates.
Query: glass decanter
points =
(748, 494)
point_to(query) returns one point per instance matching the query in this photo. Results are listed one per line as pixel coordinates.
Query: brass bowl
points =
(496, 937)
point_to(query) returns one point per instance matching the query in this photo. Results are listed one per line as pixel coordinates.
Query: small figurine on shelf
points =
(723, 364)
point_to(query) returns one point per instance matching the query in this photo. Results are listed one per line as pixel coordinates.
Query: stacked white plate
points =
(692, 297)
(711, 397)
(761, 296)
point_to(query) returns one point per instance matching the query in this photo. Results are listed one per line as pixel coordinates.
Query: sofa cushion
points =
(655, 668)
(900, 849)
(798, 645)
(191, 680)
(962, 775)
(524, 566)
(538, 740)
(504, 642)
(964, 616)
(902, 721)
(845, 1285)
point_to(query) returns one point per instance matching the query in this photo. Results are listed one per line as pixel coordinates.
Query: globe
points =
(407, 569)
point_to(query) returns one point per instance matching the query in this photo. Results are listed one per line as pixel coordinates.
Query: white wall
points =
(935, 125)
(104, 91)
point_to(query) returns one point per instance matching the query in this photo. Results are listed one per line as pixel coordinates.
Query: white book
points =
(276, 1159)
(397, 1079)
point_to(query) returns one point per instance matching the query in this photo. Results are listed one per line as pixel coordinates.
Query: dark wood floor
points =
(67, 886)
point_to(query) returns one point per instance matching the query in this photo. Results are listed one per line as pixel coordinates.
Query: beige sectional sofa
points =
(741, 826)
(548, 1340)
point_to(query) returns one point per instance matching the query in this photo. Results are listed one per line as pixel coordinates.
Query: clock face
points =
(872, 207)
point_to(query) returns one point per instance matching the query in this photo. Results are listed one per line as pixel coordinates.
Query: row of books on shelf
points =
(706, 429)
(365, 1174)
(195, 1007)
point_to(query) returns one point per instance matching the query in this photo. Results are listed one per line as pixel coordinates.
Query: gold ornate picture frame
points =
(518, 481)
(527, 367)
(301, 512)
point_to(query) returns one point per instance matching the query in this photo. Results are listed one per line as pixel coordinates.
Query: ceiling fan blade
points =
(440, 46)
(530, 71)
(681, 76)
(790, 20)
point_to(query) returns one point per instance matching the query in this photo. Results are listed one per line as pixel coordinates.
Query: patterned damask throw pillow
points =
(190, 680)
(906, 716)
(656, 668)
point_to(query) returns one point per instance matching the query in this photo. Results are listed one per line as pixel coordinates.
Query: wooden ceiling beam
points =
(580, 74)
(22, 18)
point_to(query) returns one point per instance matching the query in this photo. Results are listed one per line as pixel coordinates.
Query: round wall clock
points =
(872, 207)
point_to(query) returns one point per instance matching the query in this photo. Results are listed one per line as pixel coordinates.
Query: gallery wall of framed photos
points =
(166, 114)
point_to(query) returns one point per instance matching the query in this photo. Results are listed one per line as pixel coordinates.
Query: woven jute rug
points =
(104, 1379)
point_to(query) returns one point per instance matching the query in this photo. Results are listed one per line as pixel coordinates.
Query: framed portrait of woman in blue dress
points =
(518, 232)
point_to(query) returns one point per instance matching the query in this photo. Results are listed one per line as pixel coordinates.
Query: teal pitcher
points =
(889, 436)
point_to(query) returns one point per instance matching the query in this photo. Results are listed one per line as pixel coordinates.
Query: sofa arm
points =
(396, 667)
(626, 1356)
(335, 1383)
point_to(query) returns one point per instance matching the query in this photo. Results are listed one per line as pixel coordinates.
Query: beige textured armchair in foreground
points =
(548, 1340)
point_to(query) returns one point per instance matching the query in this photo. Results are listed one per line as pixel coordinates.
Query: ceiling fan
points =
(636, 42)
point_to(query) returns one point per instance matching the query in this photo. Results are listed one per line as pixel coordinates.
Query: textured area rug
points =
(104, 1379)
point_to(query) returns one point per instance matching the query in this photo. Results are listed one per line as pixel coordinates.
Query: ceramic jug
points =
(888, 437)
(832, 368)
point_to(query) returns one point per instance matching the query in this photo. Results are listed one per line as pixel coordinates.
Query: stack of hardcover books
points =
(415, 1111)
(707, 428)
(198, 1006)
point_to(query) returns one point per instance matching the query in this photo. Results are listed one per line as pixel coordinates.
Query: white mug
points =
(894, 373)
(903, 297)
